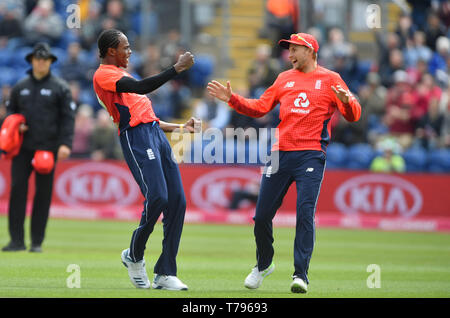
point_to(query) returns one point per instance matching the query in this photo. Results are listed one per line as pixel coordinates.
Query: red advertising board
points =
(87, 189)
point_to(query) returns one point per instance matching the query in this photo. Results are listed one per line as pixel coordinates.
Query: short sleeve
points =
(107, 78)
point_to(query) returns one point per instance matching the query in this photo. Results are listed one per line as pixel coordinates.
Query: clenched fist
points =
(185, 62)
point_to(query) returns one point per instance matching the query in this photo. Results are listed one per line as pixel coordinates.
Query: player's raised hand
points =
(342, 94)
(185, 62)
(219, 91)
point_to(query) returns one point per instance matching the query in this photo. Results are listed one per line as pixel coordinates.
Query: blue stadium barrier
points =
(8, 76)
(336, 156)
(6, 57)
(360, 156)
(439, 161)
(415, 159)
(19, 57)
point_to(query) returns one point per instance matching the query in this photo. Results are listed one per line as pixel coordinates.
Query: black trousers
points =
(21, 170)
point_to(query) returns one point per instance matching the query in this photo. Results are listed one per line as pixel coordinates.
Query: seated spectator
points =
(84, 125)
(416, 49)
(281, 21)
(104, 140)
(91, 26)
(263, 70)
(74, 69)
(10, 26)
(405, 30)
(115, 17)
(425, 93)
(429, 127)
(373, 97)
(399, 105)
(390, 160)
(415, 73)
(385, 46)
(433, 30)
(335, 46)
(43, 24)
(395, 64)
(213, 112)
(439, 59)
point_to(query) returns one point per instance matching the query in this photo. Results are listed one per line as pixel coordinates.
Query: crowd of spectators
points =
(404, 92)
(23, 23)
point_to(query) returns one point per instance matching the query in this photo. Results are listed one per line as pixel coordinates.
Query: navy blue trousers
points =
(149, 157)
(306, 168)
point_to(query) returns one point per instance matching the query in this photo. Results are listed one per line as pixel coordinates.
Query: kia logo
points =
(94, 183)
(213, 190)
(378, 195)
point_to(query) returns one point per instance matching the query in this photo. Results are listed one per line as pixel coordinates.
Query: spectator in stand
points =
(416, 49)
(10, 25)
(405, 30)
(434, 30)
(390, 160)
(440, 57)
(373, 97)
(73, 68)
(335, 46)
(425, 93)
(104, 140)
(399, 105)
(281, 21)
(84, 126)
(170, 48)
(415, 73)
(443, 9)
(429, 127)
(263, 70)
(212, 112)
(115, 17)
(91, 26)
(444, 108)
(385, 46)
(387, 72)
(151, 58)
(43, 24)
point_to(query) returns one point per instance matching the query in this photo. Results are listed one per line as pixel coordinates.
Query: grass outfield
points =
(214, 260)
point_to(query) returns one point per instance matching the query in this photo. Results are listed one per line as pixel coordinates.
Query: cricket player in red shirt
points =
(148, 155)
(308, 95)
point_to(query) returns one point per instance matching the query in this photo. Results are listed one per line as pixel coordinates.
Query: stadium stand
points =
(406, 45)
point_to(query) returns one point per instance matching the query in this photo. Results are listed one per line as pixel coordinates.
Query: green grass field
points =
(214, 260)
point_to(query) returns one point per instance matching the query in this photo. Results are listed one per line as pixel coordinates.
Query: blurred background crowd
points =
(403, 84)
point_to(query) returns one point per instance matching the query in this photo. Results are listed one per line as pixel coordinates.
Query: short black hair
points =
(108, 38)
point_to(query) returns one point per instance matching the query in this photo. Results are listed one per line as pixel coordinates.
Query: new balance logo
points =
(289, 85)
(150, 154)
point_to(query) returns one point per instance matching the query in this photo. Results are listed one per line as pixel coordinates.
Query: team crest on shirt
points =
(318, 84)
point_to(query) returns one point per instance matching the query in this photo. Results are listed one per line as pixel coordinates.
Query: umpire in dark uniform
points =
(46, 102)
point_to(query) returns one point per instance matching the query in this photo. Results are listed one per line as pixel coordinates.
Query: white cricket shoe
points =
(136, 271)
(255, 278)
(168, 282)
(298, 285)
